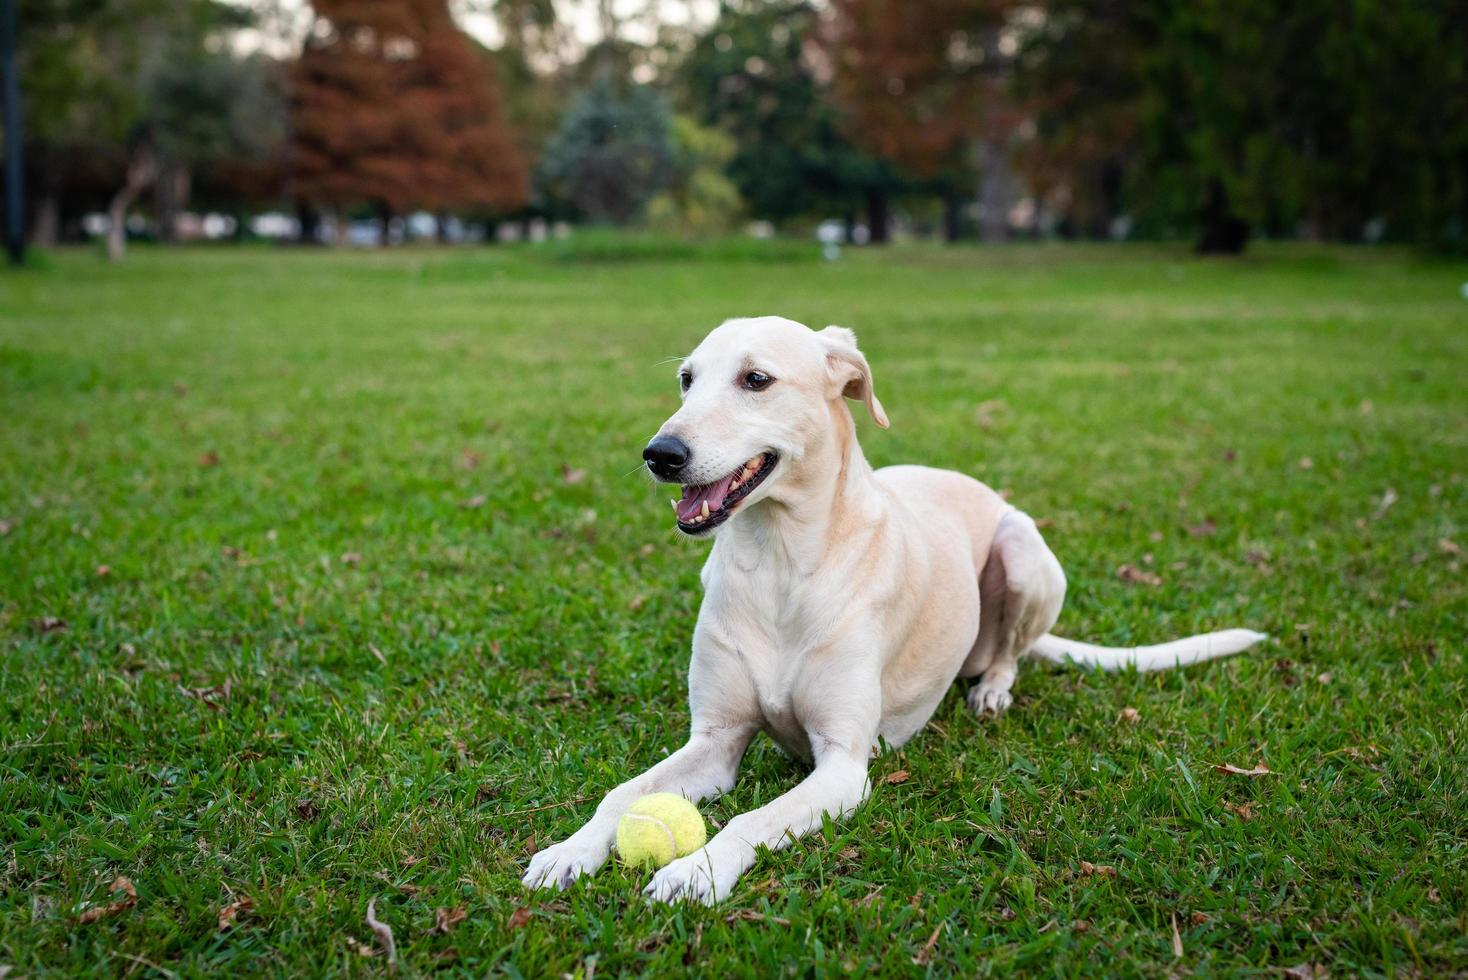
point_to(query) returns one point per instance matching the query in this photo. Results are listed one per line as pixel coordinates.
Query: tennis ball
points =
(658, 828)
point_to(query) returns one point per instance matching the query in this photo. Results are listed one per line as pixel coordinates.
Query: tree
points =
(1224, 119)
(700, 200)
(393, 106)
(754, 75)
(613, 152)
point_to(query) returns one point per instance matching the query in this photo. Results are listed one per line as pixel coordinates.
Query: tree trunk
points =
(877, 215)
(952, 217)
(142, 169)
(384, 224)
(171, 193)
(1222, 231)
(46, 232)
(308, 220)
(996, 192)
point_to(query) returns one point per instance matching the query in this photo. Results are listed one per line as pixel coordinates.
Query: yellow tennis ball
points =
(658, 828)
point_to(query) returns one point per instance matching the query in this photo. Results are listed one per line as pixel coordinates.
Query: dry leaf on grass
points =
(1387, 499)
(1177, 941)
(211, 458)
(1197, 918)
(119, 884)
(1097, 870)
(50, 624)
(231, 912)
(1244, 811)
(446, 919)
(926, 953)
(1204, 529)
(360, 948)
(478, 500)
(383, 932)
(894, 778)
(351, 558)
(518, 918)
(572, 476)
(1306, 971)
(1130, 715)
(103, 571)
(1448, 546)
(1260, 770)
(1131, 573)
(6, 527)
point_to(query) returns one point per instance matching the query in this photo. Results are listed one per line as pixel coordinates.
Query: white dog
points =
(839, 602)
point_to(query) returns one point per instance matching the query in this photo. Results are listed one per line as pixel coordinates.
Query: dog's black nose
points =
(666, 455)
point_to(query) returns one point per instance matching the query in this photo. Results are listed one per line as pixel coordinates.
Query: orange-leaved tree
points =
(922, 86)
(393, 106)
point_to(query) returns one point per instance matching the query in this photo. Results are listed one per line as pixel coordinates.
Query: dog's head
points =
(758, 395)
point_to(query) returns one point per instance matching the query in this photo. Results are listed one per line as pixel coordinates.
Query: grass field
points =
(329, 576)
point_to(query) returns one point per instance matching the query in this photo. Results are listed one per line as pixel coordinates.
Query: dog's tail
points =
(1163, 656)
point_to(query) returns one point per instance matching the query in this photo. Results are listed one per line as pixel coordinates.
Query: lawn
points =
(329, 577)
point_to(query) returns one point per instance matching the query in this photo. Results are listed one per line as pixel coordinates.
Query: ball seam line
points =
(672, 840)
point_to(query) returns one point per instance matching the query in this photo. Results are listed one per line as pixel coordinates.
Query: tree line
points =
(969, 118)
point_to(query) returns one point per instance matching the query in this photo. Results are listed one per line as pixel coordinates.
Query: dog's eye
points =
(685, 380)
(757, 381)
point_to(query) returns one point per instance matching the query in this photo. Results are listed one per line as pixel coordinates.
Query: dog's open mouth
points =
(706, 507)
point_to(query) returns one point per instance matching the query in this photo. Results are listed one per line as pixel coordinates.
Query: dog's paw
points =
(560, 864)
(695, 878)
(989, 699)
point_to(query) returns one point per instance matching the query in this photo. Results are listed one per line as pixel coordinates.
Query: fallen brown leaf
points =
(231, 912)
(1081, 925)
(1305, 971)
(1306, 463)
(926, 953)
(572, 476)
(446, 919)
(478, 500)
(351, 558)
(210, 458)
(1448, 546)
(750, 915)
(103, 571)
(895, 778)
(1131, 573)
(1203, 529)
(307, 810)
(1324, 678)
(50, 624)
(96, 912)
(1260, 770)
(383, 932)
(360, 948)
(637, 603)
(1177, 941)
(1097, 870)
(1385, 504)
(1244, 811)
(1434, 896)
(1197, 918)
(5, 527)
(468, 459)
(518, 918)
(1130, 715)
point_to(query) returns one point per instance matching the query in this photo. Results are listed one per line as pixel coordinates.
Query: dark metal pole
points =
(14, 171)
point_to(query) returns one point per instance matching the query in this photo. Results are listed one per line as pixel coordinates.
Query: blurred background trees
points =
(979, 119)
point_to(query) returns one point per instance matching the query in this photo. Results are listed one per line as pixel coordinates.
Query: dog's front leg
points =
(702, 768)
(836, 786)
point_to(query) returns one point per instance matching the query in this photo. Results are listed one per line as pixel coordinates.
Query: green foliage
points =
(701, 201)
(748, 77)
(614, 151)
(378, 645)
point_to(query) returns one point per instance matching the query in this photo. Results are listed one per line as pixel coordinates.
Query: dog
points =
(839, 602)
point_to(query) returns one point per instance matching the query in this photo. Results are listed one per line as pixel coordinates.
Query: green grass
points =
(377, 644)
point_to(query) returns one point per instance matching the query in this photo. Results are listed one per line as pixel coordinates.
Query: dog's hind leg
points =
(1021, 590)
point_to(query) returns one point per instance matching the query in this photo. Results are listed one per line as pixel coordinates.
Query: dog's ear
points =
(850, 371)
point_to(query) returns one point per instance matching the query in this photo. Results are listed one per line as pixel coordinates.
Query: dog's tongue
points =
(694, 498)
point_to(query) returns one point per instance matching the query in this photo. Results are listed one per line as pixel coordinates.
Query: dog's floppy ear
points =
(850, 371)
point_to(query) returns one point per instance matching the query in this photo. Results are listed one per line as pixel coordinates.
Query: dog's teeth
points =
(705, 511)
